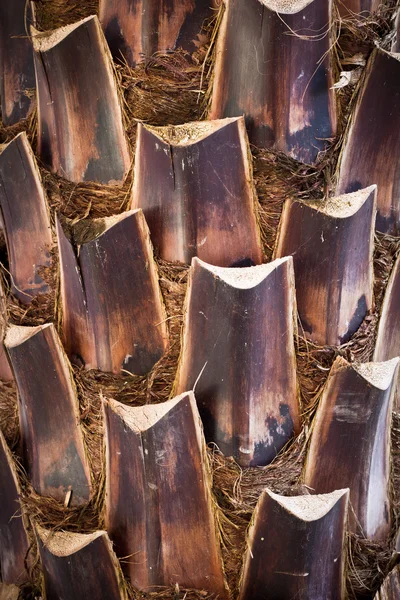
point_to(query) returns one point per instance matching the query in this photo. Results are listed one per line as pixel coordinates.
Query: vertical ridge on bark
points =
(136, 30)
(52, 439)
(371, 148)
(113, 313)
(14, 544)
(350, 444)
(194, 184)
(267, 69)
(79, 566)
(80, 130)
(332, 248)
(390, 589)
(238, 354)
(26, 219)
(17, 73)
(387, 344)
(296, 548)
(158, 506)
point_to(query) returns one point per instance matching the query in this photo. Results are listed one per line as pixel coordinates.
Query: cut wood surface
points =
(371, 150)
(79, 566)
(350, 444)
(26, 219)
(280, 80)
(354, 8)
(296, 548)
(80, 130)
(9, 592)
(194, 184)
(14, 542)
(159, 509)
(52, 441)
(238, 354)
(332, 247)
(17, 73)
(390, 589)
(113, 313)
(136, 30)
(387, 344)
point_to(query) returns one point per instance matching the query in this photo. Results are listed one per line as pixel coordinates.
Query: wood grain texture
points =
(9, 592)
(353, 8)
(371, 149)
(396, 37)
(158, 506)
(238, 353)
(387, 343)
(113, 313)
(332, 246)
(79, 566)
(17, 73)
(52, 441)
(26, 219)
(296, 548)
(273, 77)
(80, 130)
(135, 29)
(350, 444)
(194, 184)
(390, 589)
(14, 542)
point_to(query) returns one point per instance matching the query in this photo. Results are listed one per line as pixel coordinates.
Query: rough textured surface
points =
(238, 354)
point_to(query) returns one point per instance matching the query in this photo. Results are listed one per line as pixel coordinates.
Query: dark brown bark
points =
(25, 218)
(387, 344)
(390, 589)
(296, 548)
(14, 542)
(350, 444)
(134, 28)
(272, 76)
(332, 246)
(80, 131)
(52, 441)
(396, 39)
(113, 313)
(371, 150)
(17, 73)
(353, 8)
(158, 499)
(238, 354)
(80, 566)
(194, 184)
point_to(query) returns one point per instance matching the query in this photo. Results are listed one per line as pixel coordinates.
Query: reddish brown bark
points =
(25, 218)
(350, 444)
(158, 499)
(113, 313)
(80, 566)
(375, 129)
(17, 74)
(332, 245)
(194, 184)
(296, 548)
(139, 28)
(238, 354)
(390, 589)
(276, 78)
(80, 130)
(14, 544)
(52, 441)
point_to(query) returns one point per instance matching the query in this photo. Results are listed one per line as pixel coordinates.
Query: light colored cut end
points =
(243, 277)
(43, 41)
(342, 207)
(378, 374)
(308, 508)
(189, 133)
(286, 7)
(87, 230)
(64, 543)
(17, 335)
(141, 418)
(24, 139)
